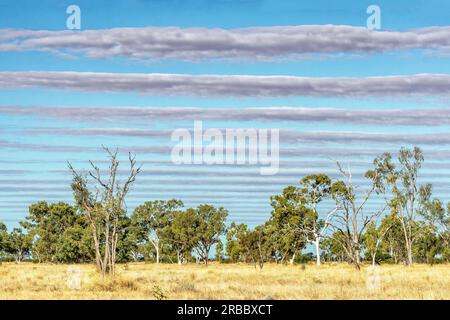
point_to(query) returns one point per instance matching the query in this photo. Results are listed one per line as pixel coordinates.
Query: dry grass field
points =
(151, 281)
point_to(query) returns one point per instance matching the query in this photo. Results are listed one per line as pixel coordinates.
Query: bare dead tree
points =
(352, 218)
(104, 206)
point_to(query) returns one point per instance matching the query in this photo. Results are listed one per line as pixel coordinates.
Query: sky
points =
(138, 70)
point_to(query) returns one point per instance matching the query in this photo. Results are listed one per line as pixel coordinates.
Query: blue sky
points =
(36, 144)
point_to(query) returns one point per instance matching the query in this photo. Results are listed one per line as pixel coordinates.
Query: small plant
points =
(158, 293)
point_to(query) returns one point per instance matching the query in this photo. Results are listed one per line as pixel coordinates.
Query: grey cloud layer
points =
(407, 117)
(232, 85)
(296, 152)
(286, 136)
(202, 43)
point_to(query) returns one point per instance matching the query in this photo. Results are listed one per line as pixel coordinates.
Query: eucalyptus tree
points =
(403, 184)
(297, 213)
(393, 242)
(210, 226)
(19, 244)
(51, 226)
(332, 248)
(315, 189)
(149, 220)
(427, 244)
(288, 213)
(257, 245)
(181, 233)
(436, 214)
(233, 249)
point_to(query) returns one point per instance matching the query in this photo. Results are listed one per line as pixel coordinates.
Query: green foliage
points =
(427, 244)
(333, 248)
(3, 239)
(158, 293)
(371, 237)
(288, 214)
(149, 224)
(316, 187)
(210, 225)
(342, 192)
(393, 245)
(18, 244)
(257, 246)
(56, 230)
(75, 245)
(295, 217)
(125, 242)
(182, 233)
(233, 249)
(373, 240)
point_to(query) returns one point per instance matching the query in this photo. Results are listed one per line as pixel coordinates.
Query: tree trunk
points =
(291, 261)
(106, 256)
(98, 261)
(357, 259)
(114, 252)
(410, 257)
(155, 244)
(317, 245)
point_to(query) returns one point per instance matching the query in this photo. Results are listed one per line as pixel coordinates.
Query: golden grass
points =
(226, 281)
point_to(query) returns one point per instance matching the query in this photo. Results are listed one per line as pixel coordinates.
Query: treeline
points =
(157, 231)
(390, 218)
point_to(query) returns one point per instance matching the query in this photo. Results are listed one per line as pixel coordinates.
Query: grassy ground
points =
(151, 281)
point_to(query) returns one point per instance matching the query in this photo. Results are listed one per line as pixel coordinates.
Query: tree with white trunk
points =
(403, 185)
(149, 220)
(297, 213)
(315, 189)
